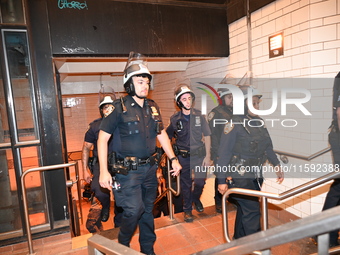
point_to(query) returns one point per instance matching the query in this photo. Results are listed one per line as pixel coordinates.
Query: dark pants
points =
(218, 195)
(333, 195)
(117, 220)
(136, 197)
(102, 194)
(248, 208)
(188, 194)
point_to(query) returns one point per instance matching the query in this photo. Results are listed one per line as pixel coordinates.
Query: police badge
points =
(228, 127)
(197, 121)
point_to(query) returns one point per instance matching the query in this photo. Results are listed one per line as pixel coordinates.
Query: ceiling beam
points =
(179, 3)
(117, 67)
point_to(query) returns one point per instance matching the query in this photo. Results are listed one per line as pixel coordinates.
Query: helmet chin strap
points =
(140, 96)
(186, 108)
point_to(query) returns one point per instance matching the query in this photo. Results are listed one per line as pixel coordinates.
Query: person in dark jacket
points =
(244, 148)
(223, 112)
(91, 169)
(333, 195)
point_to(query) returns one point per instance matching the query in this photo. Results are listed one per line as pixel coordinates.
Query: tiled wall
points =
(79, 111)
(311, 32)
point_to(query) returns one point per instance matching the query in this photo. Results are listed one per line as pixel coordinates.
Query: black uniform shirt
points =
(137, 127)
(188, 129)
(245, 142)
(91, 136)
(221, 114)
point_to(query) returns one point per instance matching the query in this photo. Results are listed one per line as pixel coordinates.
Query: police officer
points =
(221, 113)
(245, 146)
(188, 127)
(90, 141)
(333, 195)
(139, 122)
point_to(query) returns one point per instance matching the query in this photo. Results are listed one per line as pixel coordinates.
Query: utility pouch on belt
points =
(115, 167)
(131, 163)
(175, 148)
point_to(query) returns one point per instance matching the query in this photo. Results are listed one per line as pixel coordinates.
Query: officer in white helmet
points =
(91, 170)
(139, 122)
(188, 126)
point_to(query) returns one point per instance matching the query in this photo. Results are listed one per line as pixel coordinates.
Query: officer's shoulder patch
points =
(211, 116)
(154, 111)
(110, 109)
(228, 127)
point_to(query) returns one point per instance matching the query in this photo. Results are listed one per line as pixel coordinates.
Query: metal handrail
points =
(265, 195)
(308, 158)
(98, 244)
(24, 194)
(318, 224)
(169, 190)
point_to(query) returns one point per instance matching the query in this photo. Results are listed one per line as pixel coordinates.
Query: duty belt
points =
(185, 153)
(132, 162)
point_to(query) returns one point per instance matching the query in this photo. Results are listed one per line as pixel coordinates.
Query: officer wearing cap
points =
(223, 112)
(139, 122)
(244, 147)
(188, 127)
(90, 141)
(333, 195)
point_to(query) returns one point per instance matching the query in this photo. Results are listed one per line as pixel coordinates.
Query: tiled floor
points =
(181, 238)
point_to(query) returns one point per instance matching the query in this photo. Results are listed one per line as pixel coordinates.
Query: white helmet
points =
(179, 91)
(136, 69)
(254, 91)
(106, 100)
(136, 65)
(182, 89)
(223, 91)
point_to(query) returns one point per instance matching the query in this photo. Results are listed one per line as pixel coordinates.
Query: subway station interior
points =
(58, 56)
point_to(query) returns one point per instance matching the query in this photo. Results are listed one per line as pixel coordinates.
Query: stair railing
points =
(169, 192)
(265, 195)
(315, 225)
(69, 183)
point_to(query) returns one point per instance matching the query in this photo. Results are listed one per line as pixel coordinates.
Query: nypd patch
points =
(227, 128)
(211, 116)
(109, 110)
(154, 111)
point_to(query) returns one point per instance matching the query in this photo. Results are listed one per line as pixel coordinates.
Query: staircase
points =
(173, 236)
